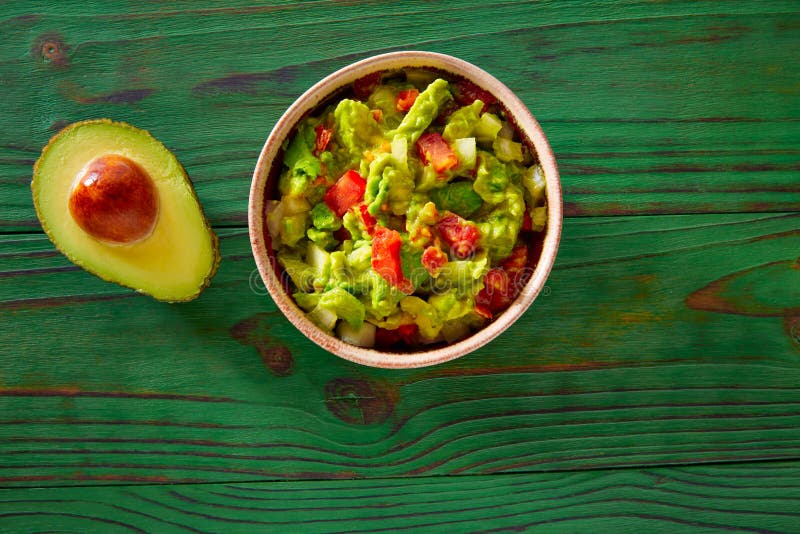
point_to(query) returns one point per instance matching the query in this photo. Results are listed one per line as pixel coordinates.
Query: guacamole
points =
(403, 210)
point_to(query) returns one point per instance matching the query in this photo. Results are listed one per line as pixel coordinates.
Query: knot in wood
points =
(359, 402)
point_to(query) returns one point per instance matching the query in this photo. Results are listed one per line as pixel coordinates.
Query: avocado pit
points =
(114, 200)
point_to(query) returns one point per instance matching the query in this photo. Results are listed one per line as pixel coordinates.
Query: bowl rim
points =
(309, 100)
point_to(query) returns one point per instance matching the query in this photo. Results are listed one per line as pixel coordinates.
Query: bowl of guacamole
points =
(405, 210)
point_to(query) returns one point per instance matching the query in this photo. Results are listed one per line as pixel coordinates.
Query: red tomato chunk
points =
(433, 259)
(363, 87)
(461, 236)
(386, 245)
(503, 284)
(405, 333)
(346, 192)
(467, 92)
(516, 265)
(323, 138)
(406, 99)
(369, 220)
(527, 222)
(434, 150)
(496, 293)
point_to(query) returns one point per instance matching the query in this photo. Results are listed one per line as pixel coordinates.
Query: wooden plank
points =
(658, 340)
(676, 107)
(758, 497)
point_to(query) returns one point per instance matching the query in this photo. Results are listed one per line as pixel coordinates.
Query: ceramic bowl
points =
(266, 173)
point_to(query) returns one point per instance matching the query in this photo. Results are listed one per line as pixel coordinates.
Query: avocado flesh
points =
(176, 261)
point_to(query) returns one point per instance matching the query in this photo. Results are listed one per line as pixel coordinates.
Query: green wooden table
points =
(653, 386)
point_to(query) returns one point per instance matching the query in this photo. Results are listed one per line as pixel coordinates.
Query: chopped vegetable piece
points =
(323, 138)
(496, 294)
(369, 220)
(516, 261)
(346, 192)
(487, 128)
(405, 333)
(386, 245)
(323, 218)
(527, 222)
(406, 99)
(461, 123)
(516, 265)
(434, 150)
(467, 153)
(433, 259)
(361, 337)
(507, 150)
(425, 109)
(461, 236)
(458, 197)
(344, 305)
(466, 93)
(364, 86)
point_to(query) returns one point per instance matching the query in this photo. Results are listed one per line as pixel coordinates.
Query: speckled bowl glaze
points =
(264, 174)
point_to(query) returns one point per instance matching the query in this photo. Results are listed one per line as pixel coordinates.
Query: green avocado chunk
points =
(424, 110)
(458, 197)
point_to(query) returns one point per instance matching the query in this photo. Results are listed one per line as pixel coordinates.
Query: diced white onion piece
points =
(400, 149)
(324, 318)
(507, 131)
(538, 181)
(533, 181)
(507, 150)
(487, 127)
(276, 211)
(466, 152)
(362, 337)
(317, 257)
(295, 205)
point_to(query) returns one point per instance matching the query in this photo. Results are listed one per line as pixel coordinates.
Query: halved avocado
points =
(118, 203)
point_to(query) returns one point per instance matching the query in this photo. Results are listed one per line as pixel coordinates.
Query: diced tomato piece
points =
(346, 192)
(387, 338)
(386, 245)
(496, 294)
(363, 87)
(516, 261)
(501, 285)
(369, 220)
(409, 333)
(483, 310)
(405, 99)
(433, 259)
(377, 114)
(466, 93)
(323, 138)
(342, 234)
(527, 222)
(406, 333)
(434, 150)
(461, 236)
(516, 266)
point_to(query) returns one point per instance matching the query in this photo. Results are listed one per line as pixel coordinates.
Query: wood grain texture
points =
(659, 340)
(668, 107)
(762, 497)
(653, 386)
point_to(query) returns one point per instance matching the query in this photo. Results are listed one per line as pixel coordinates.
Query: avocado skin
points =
(36, 187)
